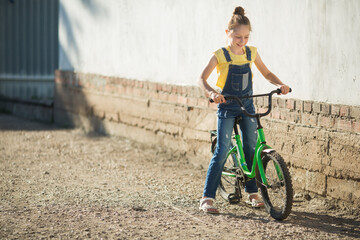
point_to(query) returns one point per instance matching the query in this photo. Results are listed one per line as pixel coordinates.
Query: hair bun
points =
(239, 11)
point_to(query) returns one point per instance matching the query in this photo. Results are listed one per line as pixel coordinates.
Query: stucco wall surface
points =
(314, 46)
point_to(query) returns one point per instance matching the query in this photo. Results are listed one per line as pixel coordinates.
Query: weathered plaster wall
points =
(314, 46)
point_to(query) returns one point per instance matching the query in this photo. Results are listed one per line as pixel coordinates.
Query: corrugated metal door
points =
(28, 48)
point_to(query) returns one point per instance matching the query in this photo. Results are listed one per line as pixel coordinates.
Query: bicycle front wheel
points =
(278, 197)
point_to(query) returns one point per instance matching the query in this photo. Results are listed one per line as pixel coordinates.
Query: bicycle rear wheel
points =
(278, 197)
(229, 187)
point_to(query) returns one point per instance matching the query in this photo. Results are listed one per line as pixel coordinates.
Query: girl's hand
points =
(217, 97)
(284, 89)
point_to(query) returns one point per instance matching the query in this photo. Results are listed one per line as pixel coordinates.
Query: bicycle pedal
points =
(233, 198)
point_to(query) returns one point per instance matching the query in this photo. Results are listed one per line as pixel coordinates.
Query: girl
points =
(233, 65)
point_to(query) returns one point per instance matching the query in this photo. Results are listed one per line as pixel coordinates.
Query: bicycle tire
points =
(279, 198)
(229, 187)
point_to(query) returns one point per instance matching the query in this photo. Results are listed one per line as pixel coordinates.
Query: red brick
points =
(192, 101)
(154, 95)
(299, 105)
(274, 102)
(291, 116)
(307, 106)
(139, 92)
(139, 84)
(255, 101)
(152, 86)
(159, 87)
(259, 101)
(325, 108)
(316, 107)
(203, 102)
(355, 112)
(172, 98)
(125, 82)
(281, 102)
(145, 86)
(121, 89)
(356, 127)
(167, 88)
(108, 88)
(275, 114)
(344, 111)
(309, 119)
(290, 104)
(129, 91)
(174, 89)
(182, 100)
(188, 90)
(177, 90)
(163, 96)
(131, 83)
(266, 102)
(343, 124)
(326, 121)
(198, 92)
(262, 110)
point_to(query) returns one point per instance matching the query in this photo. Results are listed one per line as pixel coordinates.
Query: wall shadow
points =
(9, 122)
(72, 92)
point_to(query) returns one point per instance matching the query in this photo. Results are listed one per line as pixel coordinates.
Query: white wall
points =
(313, 46)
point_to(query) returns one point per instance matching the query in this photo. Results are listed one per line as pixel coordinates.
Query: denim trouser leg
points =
(248, 128)
(224, 132)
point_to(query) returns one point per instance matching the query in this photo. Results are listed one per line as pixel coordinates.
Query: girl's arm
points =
(209, 91)
(270, 76)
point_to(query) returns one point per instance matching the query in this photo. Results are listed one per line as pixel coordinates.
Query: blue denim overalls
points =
(238, 83)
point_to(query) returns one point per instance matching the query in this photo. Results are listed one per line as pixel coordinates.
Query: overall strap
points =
(248, 53)
(227, 55)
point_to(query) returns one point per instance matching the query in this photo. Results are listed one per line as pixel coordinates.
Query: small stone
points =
(307, 197)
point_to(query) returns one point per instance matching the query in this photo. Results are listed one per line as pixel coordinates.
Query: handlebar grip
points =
(279, 91)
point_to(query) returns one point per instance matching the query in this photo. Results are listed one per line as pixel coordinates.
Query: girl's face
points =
(239, 36)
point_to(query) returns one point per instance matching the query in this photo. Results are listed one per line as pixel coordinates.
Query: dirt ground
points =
(66, 184)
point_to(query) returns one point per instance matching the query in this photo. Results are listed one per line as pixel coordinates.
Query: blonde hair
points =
(238, 18)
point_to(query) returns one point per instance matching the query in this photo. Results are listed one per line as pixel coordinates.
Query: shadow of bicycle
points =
(325, 223)
(340, 226)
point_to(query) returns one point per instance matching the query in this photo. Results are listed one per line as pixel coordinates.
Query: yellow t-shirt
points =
(222, 67)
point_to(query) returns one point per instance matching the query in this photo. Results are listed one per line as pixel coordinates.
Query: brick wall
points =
(319, 141)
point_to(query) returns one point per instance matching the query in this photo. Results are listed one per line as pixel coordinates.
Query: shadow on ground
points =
(331, 224)
(9, 122)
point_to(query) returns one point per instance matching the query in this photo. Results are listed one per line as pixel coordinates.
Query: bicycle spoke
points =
(232, 184)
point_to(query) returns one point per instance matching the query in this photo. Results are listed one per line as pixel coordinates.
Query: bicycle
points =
(273, 179)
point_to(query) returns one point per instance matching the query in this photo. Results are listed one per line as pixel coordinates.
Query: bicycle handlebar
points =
(237, 99)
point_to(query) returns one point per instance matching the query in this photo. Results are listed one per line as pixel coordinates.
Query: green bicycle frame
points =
(240, 158)
(261, 145)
